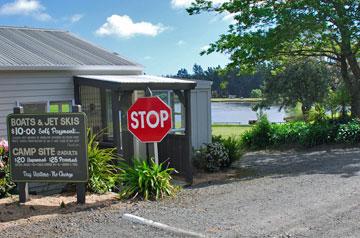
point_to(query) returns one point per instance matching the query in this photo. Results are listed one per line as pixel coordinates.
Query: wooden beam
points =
(181, 96)
(104, 114)
(116, 120)
(127, 137)
(77, 93)
(188, 147)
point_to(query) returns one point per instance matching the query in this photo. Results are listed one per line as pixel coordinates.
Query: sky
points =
(158, 34)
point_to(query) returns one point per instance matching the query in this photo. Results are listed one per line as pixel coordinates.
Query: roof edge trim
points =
(71, 68)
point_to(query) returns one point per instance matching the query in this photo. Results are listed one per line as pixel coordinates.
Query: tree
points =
(338, 100)
(198, 72)
(183, 73)
(305, 82)
(256, 93)
(274, 31)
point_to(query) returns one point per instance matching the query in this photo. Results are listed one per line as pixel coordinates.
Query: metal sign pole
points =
(156, 153)
(149, 93)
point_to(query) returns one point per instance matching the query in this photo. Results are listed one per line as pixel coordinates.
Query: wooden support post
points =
(116, 120)
(77, 93)
(188, 148)
(23, 188)
(81, 193)
(128, 139)
(104, 118)
(80, 187)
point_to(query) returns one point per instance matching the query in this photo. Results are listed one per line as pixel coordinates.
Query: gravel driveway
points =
(289, 194)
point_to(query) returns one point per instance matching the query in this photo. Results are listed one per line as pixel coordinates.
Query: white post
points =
(156, 153)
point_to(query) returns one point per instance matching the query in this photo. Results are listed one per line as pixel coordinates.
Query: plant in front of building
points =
(6, 184)
(212, 157)
(102, 169)
(233, 146)
(146, 181)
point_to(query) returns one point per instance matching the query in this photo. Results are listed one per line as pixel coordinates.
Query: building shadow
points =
(12, 210)
(344, 163)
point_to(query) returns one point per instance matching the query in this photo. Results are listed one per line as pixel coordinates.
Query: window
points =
(172, 100)
(60, 107)
(33, 108)
(42, 107)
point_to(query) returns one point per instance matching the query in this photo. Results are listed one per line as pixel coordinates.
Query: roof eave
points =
(134, 86)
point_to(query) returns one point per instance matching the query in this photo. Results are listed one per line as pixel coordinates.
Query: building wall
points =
(28, 87)
(201, 114)
(19, 88)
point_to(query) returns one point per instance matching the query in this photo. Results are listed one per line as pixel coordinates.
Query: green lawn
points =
(229, 130)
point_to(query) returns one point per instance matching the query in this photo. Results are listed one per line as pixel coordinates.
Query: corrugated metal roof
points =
(29, 48)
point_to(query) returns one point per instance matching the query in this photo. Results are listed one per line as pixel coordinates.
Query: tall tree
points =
(306, 81)
(198, 71)
(183, 73)
(272, 31)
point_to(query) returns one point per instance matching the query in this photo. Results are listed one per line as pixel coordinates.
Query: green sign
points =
(48, 147)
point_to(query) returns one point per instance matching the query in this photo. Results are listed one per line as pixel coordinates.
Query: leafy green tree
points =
(337, 101)
(256, 93)
(274, 31)
(305, 81)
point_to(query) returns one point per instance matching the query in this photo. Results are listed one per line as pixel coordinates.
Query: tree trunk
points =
(355, 102)
(354, 65)
(353, 87)
(305, 111)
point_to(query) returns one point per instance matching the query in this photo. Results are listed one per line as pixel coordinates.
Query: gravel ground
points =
(289, 194)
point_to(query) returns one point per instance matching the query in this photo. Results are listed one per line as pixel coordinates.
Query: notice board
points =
(49, 147)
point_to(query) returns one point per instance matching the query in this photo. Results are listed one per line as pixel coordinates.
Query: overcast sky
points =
(158, 34)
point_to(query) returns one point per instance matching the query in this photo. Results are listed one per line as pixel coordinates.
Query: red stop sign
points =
(149, 119)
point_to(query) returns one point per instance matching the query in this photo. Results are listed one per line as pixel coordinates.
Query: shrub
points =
(287, 133)
(102, 170)
(319, 133)
(146, 181)
(265, 135)
(232, 146)
(212, 157)
(6, 184)
(259, 136)
(349, 133)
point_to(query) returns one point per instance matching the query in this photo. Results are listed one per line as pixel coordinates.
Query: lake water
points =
(241, 113)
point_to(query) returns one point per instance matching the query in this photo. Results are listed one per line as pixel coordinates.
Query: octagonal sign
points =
(149, 119)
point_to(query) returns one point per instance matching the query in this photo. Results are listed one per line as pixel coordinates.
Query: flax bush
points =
(102, 166)
(146, 181)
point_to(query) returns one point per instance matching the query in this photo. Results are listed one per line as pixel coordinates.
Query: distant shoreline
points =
(236, 99)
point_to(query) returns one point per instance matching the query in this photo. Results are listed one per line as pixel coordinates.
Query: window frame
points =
(47, 103)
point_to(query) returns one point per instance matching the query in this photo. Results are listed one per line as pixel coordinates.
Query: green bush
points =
(212, 157)
(6, 184)
(265, 135)
(287, 133)
(259, 136)
(349, 133)
(318, 134)
(232, 145)
(102, 170)
(146, 181)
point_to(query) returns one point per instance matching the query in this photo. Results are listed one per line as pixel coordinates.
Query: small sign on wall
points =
(48, 147)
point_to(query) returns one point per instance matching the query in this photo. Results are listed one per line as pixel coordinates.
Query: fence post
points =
(23, 188)
(80, 187)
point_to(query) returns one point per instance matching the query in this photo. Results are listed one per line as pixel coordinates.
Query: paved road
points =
(287, 194)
